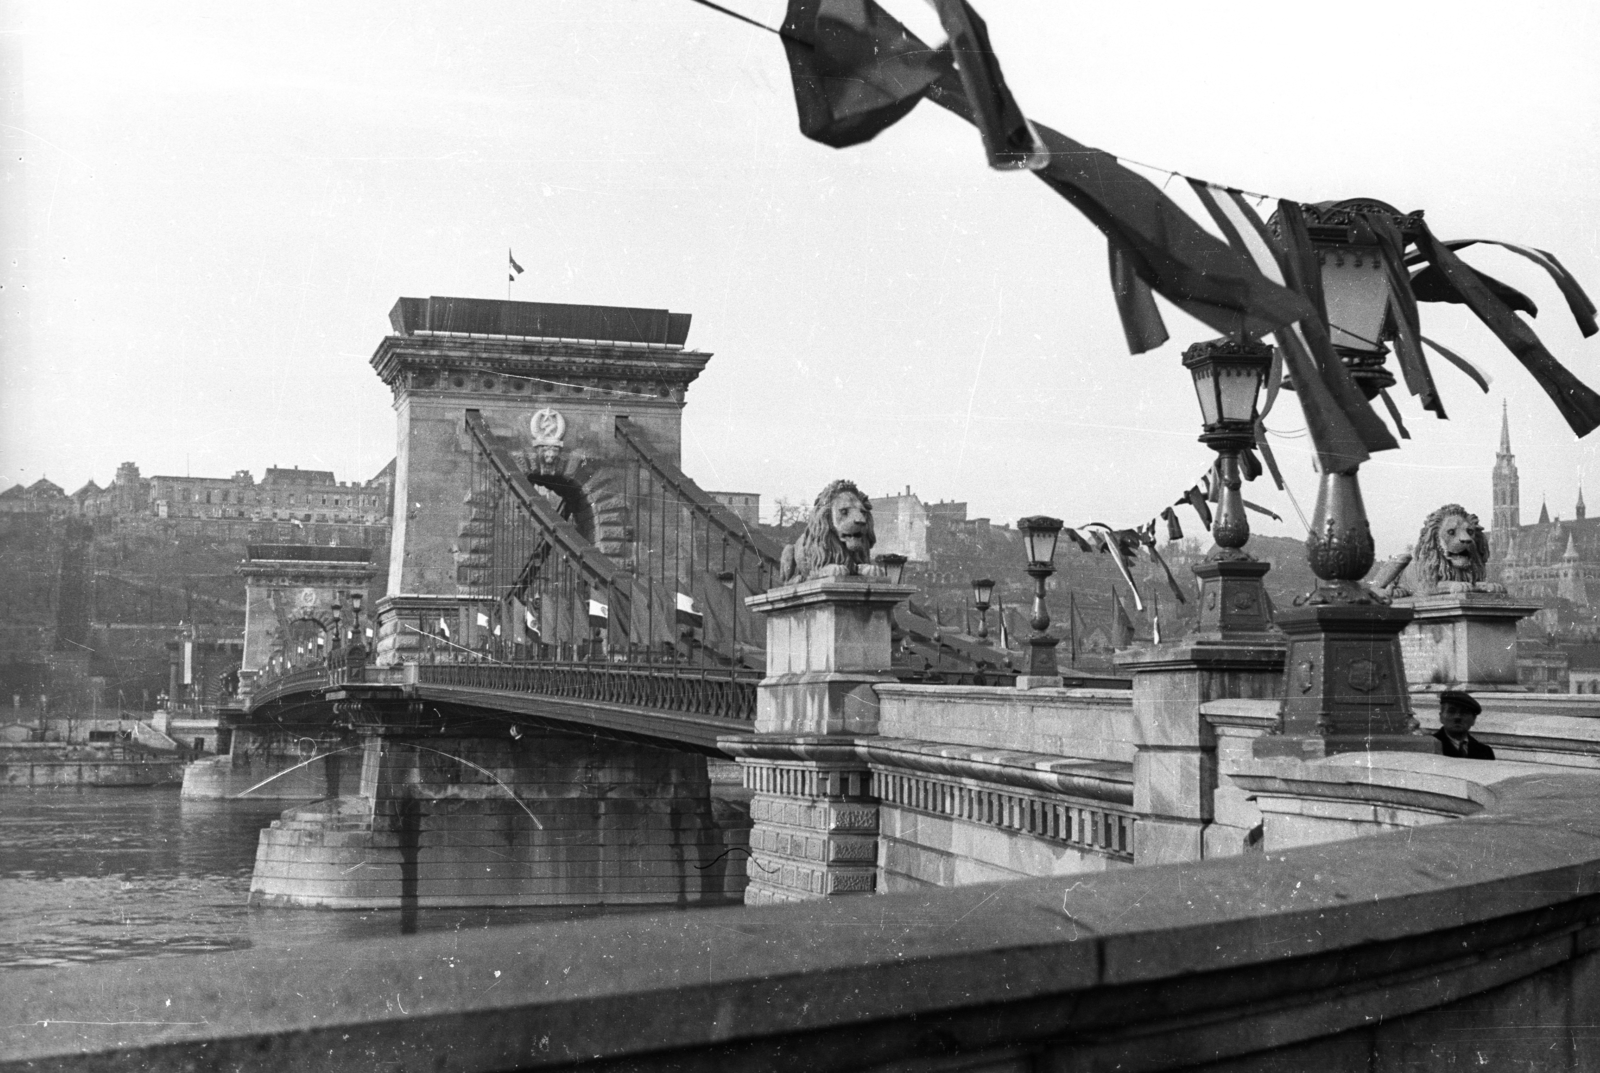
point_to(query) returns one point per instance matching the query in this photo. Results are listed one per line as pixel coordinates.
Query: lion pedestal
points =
(1465, 640)
(815, 813)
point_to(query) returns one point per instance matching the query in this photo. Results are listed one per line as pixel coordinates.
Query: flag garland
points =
(857, 71)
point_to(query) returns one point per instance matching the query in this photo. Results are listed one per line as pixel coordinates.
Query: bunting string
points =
(857, 71)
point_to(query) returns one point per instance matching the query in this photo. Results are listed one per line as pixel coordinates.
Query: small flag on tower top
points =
(516, 269)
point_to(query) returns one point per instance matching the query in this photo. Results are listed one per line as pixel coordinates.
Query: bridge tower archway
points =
(550, 382)
(290, 594)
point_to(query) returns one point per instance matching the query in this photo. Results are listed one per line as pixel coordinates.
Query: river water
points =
(98, 874)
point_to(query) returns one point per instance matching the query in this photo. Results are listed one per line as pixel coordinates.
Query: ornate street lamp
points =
(1228, 374)
(982, 589)
(894, 565)
(1345, 681)
(1039, 535)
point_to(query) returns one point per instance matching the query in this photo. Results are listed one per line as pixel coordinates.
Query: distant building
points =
(300, 495)
(746, 506)
(901, 523)
(1553, 560)
(41, 496)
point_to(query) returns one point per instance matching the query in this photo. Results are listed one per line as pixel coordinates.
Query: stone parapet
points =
(1086, 724)
(1358, 794)
(1471, 943)
(1463, 641)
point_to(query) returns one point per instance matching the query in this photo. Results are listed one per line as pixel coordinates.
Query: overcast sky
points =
(209, 210)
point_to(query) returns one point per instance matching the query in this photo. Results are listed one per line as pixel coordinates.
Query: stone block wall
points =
(1087, 724)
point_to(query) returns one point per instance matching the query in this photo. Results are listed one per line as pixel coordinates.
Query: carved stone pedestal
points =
(1463, 641)
(827, 645)
(814, 813)
(814, 818)
(1344, 683)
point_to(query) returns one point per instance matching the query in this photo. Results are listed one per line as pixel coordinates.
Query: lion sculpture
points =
(1452, 554)
(837, 541)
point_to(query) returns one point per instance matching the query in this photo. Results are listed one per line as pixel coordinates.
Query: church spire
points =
(1581, 510)
(1544, 513)
(1507, 516)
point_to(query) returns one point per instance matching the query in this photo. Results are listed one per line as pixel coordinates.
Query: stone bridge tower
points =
(550, 381)
(290, 594)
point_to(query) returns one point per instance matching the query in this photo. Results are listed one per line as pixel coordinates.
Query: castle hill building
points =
(283, 494)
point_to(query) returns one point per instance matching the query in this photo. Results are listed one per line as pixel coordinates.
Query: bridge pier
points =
(546, 818)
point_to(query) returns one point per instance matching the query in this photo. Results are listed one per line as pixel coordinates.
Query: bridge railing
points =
(717, 692)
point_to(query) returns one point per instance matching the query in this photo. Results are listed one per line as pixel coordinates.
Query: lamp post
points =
(894, 566)
(982, 590)
(1344, 678)
(1039, 535)
(1228, 374)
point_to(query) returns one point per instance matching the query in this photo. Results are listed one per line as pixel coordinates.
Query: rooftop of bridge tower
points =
(315, 553)
(539, 320)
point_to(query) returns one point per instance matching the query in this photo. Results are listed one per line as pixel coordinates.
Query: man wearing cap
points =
(1457, 712)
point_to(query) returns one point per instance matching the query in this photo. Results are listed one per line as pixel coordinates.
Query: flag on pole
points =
(686, 613)
(516, 269)
(1121, 624)
(599, 615)
(483, 620)
(521, 619)
(444, 628)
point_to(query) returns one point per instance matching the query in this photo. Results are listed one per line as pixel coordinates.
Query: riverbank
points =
(43, 765)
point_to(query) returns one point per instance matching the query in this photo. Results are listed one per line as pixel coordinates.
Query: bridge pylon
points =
(549, 383)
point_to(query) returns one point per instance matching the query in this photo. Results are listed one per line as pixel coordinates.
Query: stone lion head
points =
(838, 538)
(1452, 550)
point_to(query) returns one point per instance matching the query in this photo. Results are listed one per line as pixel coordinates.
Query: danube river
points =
(97, 874)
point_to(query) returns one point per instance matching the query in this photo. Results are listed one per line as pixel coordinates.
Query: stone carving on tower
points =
(546, 431)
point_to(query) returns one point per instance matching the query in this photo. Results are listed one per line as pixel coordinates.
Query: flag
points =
(521, 619)
(856, 70)
(599, 615)
(1197, 499)
(1479, 377)
(1008, 138)
(1142, 325)
(1174, 530)
(516, 269)
(1121, 624)
(1005, 634)
(1155, 616)
(1576, 401)
(483, 620)
(1163, 245)
(444, 628)
(369, 633)
(1403, 313)
(686, 614)
(1430, 284)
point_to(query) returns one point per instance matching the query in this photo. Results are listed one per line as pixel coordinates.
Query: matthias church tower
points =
(1507, 504)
